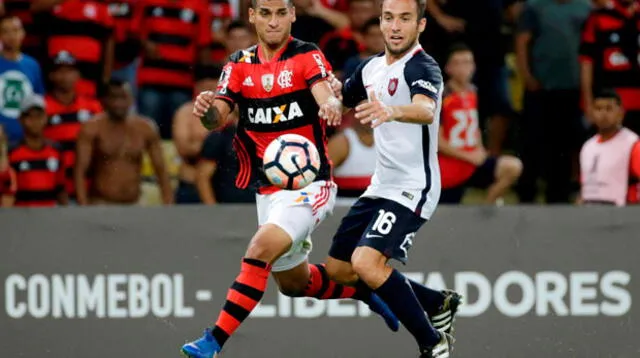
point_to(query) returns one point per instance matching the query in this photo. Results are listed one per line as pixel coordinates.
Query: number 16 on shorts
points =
(392, 231)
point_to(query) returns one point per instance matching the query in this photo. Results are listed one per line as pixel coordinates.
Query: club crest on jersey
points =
(393, 86)
(267, 82)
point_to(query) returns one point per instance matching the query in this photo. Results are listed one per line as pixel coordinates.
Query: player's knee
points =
(510, 167)
(341, 273)
(367, 263)
(269, 243)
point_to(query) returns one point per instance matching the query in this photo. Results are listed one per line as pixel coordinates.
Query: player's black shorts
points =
(482, 178)
(377, 223)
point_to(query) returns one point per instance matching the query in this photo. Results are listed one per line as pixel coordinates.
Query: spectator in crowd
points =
(223, 23)
(610, 160)
(373, 44)
(547, 41)
(37, 162)
(8, 184)
(175, 37)
(464, 161)
(343, 43)
(218, 167)
(126, 45)
(20, 76)
(479, 24)
(609, 56)
(189, 134)
(85, 29)
(34, 16)
(66, 111)
(354, 158)
(314, 20)
(112, 145)
(239, 37)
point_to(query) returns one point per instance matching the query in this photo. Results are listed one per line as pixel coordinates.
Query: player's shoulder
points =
(422, 63)
(299, 47)
(244, 56)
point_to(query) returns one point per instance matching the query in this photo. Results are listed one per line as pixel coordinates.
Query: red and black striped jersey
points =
(82, 28)
(274, 98)
(178, 29)
(39, 174)
(127, 48)
(610, 40)
(64, 123)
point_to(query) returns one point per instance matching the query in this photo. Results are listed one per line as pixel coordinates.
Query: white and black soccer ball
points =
(291, 162)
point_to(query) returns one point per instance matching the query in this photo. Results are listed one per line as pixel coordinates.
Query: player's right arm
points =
(212, 109)
(353, 91)
(84, 153)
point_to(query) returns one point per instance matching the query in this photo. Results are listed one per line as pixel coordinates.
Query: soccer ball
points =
(291, 162)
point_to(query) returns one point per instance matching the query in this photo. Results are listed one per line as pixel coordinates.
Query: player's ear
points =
(293, 13)
(422, 24)
(252, 16)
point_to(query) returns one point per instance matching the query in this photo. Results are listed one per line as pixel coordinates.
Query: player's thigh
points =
(299, 212)
(351, 229)
(391, 232)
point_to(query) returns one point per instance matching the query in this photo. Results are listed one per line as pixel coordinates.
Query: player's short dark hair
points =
(373, 22)
(237, 24)
(254, 3)
(203, 72)
(608, 93)
(422, 7)
(457, 48)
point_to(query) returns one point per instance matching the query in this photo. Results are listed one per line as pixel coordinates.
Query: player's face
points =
(118, 102)
(607, 114)
(65, 78)
(400, 25)
(11, 33)
(33, 122)
(461, 66)
(273, 19)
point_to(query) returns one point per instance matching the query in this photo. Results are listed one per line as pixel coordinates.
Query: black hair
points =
(254, 3)
(608, 93)
(201, 72)
(373, 22)
(456, 48)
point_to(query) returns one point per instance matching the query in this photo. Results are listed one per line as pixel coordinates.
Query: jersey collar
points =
(277, 55)
(417, 48)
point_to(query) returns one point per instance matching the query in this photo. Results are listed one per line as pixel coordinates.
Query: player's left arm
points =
(424, 79)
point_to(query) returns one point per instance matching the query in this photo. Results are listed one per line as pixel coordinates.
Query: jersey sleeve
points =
(423, 76)
(213, 147)
(316, 67)
(353, 91)
(635, 161)
(588, 39)
(229, 85)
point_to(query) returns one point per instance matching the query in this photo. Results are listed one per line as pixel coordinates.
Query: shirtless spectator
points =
(188, 136)
(112, 145)
(354, 159)
(7, 175)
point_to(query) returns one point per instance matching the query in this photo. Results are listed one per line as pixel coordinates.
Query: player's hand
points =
(331, 111)
(478, 157)
(336, 86)
(203, 102)
(374, 112)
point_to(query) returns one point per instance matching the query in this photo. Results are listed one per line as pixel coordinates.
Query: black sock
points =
(430, 300)
(363, 292)
(397, 293)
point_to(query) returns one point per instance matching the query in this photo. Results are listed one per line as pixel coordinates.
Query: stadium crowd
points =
(96, 98)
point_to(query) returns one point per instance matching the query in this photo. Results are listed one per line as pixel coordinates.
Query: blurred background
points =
(523, 83)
